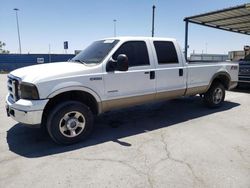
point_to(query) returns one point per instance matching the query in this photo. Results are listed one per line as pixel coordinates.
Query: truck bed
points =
(200, 73)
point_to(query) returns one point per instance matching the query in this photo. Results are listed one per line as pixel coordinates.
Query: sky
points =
(46, 24)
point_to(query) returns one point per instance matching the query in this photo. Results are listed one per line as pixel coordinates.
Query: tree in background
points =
(2, 51)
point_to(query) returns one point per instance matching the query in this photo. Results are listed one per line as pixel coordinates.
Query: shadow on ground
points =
(112, 126)
(243, 88)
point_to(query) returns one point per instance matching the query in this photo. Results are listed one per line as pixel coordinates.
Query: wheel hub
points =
(72, 124)
(217, 96)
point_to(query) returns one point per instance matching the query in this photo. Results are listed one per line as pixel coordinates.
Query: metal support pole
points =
(114, 28)
(20, 49)
(186, 40)
(153, 21)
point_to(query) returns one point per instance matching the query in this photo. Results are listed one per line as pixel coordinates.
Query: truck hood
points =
(49, 71)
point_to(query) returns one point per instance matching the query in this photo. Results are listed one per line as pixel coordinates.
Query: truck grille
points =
(244, 79)
(12, 84)
(244, 70)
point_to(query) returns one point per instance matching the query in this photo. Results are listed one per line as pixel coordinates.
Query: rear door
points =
(135, 86)
(170, 73)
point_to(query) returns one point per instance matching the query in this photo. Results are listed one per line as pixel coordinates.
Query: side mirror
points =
(122, 63)
(111, 66)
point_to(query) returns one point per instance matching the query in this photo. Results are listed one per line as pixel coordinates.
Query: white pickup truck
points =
(110, 74)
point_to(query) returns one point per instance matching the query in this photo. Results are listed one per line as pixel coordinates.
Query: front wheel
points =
(70, 122)
(215, 96)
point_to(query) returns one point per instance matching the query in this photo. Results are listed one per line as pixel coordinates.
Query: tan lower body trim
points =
(196, 90)
(169, 94)
(137, 100)
(126, 102)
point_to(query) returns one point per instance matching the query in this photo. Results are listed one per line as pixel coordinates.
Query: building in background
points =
(9, 62)
(240, 54)
(236, 55)
(208, 57)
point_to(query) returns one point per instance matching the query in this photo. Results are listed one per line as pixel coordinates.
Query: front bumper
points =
(26, 111)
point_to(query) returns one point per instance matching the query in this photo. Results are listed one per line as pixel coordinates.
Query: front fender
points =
(75, 88)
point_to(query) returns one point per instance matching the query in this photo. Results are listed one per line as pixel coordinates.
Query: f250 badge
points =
(95, 78)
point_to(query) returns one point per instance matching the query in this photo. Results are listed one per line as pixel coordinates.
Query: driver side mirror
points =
(121, 64)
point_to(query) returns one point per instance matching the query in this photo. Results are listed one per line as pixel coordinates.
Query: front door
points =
(135, 86)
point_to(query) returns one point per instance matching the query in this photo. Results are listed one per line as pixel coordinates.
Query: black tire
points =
(69, 122)
(215, 95)
(201, 96)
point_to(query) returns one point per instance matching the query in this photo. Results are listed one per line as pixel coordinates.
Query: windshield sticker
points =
(108, 41)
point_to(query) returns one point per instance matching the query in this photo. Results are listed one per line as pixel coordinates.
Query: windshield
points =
(247, 58)
(96, 52)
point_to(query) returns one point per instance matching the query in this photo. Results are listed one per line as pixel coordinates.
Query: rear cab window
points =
(166, 52)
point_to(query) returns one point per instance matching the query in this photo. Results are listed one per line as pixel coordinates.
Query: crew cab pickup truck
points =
(111, 74)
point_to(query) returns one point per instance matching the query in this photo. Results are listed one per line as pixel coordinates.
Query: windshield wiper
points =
(78, 60)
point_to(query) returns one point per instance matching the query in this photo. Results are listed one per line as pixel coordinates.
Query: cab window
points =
(136, 51)
(166, 52)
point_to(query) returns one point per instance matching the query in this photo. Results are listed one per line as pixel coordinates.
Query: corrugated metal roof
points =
(234, 19)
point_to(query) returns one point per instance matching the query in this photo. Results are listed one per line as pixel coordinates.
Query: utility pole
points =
(49, 54)
(20, 49)
(114, 27)
(153, 21)
(186, 40)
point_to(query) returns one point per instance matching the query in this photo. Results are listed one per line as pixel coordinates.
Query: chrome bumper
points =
(26, 111)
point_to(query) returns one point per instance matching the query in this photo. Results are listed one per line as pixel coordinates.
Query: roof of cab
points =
(128, 38)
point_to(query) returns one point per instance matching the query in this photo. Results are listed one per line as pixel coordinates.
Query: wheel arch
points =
(223, 77)
(86, 96)
(75, 88)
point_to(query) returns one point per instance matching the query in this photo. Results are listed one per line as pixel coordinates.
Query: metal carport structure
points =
(234, 19)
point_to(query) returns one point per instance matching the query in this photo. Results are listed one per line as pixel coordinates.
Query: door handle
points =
(152, 75)
(180, 72)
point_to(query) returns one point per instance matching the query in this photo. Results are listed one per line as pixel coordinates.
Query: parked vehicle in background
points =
(111, 74)
(244, 71)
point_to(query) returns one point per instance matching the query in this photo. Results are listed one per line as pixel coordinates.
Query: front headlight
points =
(28, 91)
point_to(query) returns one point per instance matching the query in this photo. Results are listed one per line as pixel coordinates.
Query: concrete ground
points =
(179, 143)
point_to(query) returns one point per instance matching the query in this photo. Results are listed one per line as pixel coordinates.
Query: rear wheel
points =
(70, 122)
(215, 96)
